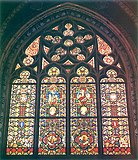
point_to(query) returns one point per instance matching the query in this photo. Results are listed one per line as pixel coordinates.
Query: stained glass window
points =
(52, 131)
(116, 139)
(68, 96)
(83, 109)
(21, 118)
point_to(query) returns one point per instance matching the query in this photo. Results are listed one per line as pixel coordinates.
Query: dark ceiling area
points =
(15, 14)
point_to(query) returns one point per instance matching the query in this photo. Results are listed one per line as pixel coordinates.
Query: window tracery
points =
(70, 50)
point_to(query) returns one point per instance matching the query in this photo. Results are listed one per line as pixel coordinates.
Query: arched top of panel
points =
(54, 77)
(112, 77)
(24, 78)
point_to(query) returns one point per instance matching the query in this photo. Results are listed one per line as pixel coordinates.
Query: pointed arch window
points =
(68, 96)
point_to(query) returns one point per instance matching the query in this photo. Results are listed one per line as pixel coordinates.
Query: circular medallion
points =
(68, 42)
(52, 111)
(55, 58)
(52, 140)
(113, 97)
(108, 60)
(83, 110)
(28, 61)
(81, 57)
(84, 139)
(24, 74)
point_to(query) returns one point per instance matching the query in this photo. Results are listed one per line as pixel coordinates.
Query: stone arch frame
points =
(99, 23)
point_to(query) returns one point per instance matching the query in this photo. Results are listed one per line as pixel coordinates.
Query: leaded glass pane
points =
(28, 61)
(83, 100)
(52, 137)
(20, 137)
(44, 63)
(115, 131)
(112, 74)
(84, 136)
(116, 139)
(82, 79)
(53, 80)
(113, 100)
(53, 100)
(22, 104)
(33, 48)
(103, 47)
(108, 60)
(22, 100)
(68, 42)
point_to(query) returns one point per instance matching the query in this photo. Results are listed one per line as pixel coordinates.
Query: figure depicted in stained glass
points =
(83, 96)
(23, 97)
(113, 96)
(53, 100)
(23, 100)
(53, 96)
(52, 104)
(83, 100)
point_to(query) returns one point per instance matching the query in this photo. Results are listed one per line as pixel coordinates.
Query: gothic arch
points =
(101, 25)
